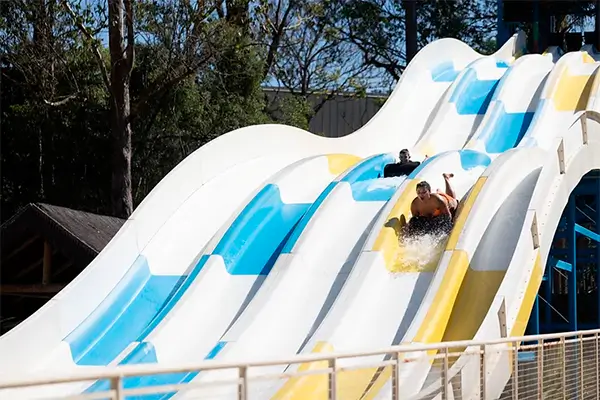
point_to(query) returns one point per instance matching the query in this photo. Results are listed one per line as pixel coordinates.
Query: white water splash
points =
(424, 250)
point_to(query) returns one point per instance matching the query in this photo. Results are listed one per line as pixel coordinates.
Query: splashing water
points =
(423, 252)
(420, 253)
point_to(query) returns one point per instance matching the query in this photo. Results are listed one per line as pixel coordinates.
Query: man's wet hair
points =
(424, 185)
(404, 151)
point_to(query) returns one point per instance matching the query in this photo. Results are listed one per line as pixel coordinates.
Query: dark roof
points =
(78, 233)
(74, 237)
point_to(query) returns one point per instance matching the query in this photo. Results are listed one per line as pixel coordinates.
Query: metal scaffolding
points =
(572, 273)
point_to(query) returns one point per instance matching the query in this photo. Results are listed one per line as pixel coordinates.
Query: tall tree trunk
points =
(120, 108)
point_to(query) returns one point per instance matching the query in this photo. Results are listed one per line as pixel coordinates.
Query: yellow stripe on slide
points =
(572, 92)
(350, 384)
(531, 292)
(518, 329)
(474, 299)
(463, 213)
(587, 58)
(387, 241)
(339, 163)
(308, 386)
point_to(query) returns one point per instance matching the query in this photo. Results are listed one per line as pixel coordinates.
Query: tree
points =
(472, 21)
(307, 56)
(187, 31)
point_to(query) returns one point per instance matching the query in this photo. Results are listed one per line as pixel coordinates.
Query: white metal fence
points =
(557, 366)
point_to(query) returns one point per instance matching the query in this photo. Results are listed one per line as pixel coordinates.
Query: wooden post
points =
(47, 264)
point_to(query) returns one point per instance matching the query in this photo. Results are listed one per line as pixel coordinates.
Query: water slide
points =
(288, 244)
(196, 227)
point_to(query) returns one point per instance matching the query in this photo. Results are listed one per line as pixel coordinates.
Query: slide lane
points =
(462, 107)
(566, 92)
(513, 105)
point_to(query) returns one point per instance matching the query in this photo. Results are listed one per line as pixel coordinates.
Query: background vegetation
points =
(100, 99)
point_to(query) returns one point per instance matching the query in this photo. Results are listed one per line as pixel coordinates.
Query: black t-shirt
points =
(398, 169)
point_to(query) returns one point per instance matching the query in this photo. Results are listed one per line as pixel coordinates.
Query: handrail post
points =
(243, 382)
(483, 374)
(445, 394)
(597, 366)
(332, 379)
(581, 382)
(540, 369)
(396, 377)
(515, 370)
(115, 385)
(564, 367)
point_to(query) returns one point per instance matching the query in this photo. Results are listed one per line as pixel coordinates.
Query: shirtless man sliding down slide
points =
(432, 211)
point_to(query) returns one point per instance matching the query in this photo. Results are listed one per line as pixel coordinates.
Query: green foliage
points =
(472, 21)
(296, 111)
(198, 71)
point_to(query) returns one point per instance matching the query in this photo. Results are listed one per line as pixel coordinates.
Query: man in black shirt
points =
(404, 167)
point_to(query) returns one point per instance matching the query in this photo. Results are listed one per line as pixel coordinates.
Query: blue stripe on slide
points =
(122, 315)
(444, 72)
(295, 235)
(504, 130)
(469, 159)
(367, 171)
(472, 96)
(144, 354)
(253, 239)
(140, 301)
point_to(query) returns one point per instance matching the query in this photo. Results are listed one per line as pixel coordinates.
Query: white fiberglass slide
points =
(565, 94)
(142, 273)
(467, 275)
(304, 283)
(376, 304)
(515, 283)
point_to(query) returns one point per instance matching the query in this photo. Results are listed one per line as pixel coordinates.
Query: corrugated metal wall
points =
(340, 115)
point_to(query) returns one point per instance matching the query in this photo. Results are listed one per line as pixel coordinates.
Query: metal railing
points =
(554, 366)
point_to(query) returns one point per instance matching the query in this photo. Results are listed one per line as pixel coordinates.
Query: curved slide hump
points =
(361, 316)
(520, 274)
(308, 274)
(512, 106)
(566, 91)
(479, 239)
(462, 107)
(418, 93)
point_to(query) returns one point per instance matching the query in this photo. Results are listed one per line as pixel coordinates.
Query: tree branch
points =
(95, 50)
(130, 50)
(65, 100)
(160, 86)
